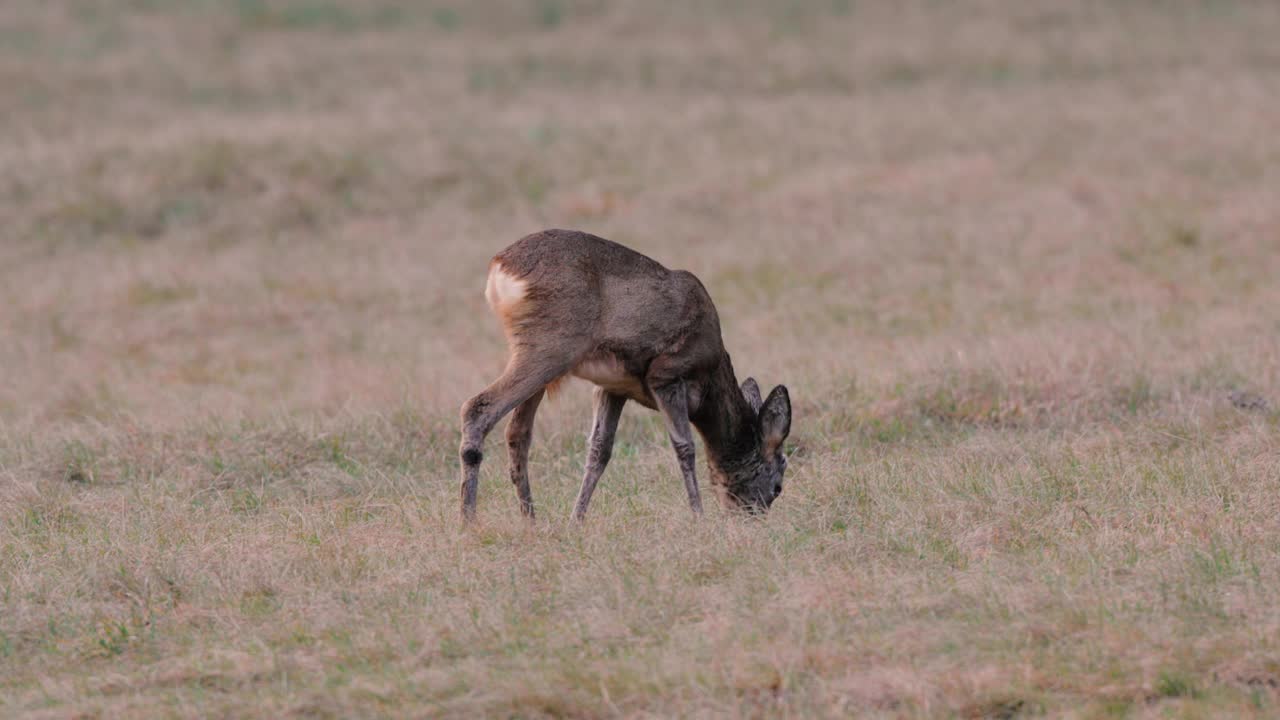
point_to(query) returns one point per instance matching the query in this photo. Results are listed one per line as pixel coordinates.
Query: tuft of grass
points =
(246, 501)
(1136, 395)
(1175, 685)
(80, 463)
(113, 638)
(337, 455)
(259, 602)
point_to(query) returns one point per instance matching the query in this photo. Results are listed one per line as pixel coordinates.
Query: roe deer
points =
(575, 304)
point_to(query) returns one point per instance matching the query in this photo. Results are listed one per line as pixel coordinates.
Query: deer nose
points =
(777, 490)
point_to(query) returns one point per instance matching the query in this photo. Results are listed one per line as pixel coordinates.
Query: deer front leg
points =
(608, 408)
(673, 401)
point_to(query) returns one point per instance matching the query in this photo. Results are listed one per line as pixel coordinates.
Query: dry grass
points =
(1016, 261)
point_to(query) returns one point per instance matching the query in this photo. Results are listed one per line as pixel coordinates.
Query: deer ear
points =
(775, 419)
(751, 391)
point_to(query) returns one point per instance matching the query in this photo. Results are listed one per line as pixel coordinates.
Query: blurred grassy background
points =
(1016, 262)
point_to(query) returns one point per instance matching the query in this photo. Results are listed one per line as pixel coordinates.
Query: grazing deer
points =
(575, 304)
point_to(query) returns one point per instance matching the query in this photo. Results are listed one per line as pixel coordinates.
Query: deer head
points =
(749, 476)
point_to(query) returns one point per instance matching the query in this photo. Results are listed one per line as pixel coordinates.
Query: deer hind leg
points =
(527, 373)
(519, 438)
(608, 408)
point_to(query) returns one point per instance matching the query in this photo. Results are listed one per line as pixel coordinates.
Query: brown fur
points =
(574, 303)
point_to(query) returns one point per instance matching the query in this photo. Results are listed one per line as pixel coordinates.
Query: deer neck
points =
(726, 421)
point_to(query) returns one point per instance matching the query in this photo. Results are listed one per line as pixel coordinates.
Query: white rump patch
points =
(503, 289)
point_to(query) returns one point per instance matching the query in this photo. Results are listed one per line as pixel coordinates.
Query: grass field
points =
(1018, 263)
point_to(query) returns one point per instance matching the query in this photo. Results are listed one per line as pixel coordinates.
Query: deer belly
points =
(608, 373)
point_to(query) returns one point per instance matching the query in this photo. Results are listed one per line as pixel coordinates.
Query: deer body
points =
(574, 304)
